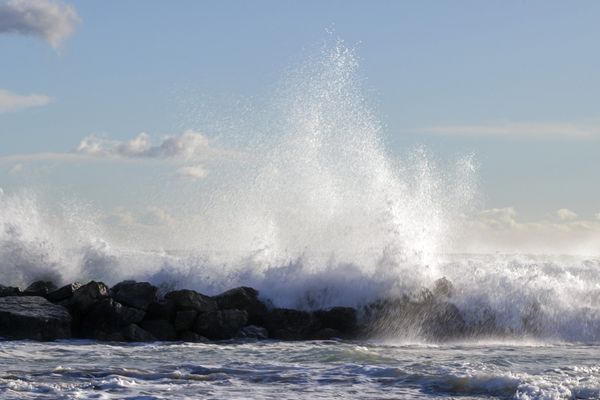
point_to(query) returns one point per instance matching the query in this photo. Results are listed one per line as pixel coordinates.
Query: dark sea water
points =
(299, 370)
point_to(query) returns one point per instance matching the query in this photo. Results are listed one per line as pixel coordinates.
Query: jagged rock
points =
(184, 320)
(39, 288)
(190, 300)
(133, 333)
(326, 334)
(87, 295)
(443, 288)
(64, 293)
(164, 309)
(9, 291)
(33, 317)
(253, 332)
(288, 324)
(342, 319)
(134, 294)
(160, 329)
(189, 336)
(243, 298)
(108, 316)
(223, 324)
(443, 321)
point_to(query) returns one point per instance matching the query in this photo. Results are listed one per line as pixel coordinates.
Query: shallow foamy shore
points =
(133, 311)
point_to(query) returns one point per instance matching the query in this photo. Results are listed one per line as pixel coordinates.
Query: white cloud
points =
(52, 21)
(565, 214)
(10, 101)
(193, 172)
(508, 129)
(188, 145)
(156, 216)
(15, 169)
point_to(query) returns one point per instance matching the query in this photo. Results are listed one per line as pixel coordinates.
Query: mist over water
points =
(314, 212)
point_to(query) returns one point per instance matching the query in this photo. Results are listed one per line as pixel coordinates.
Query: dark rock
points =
(288, 324)
(443, 321)
(133, 333)
(64, 293)
(39, 288)
(184, 320)
(342, 319)
(9, 291)
(243, 298)
(190, 300)
(253, 332)
(327, 334)
(160, 329)
(33, 317)
(164, 309)
(189, 336)
(134, 294)
(443, 288)
(87, 295)
(222, 324)
(108, 316)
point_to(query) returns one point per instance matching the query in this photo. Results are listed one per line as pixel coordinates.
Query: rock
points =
(64, 293)
(107, 317)
(222, 324)
(184, 320)
(39, 288)
(33, 317)
(443, 288)
(134, 294)
(159, 328)
(189, 336)
(9, 291)
(288, 324)
(164, 309)
(342, 319)
(326, 334)
(87, 295)
(443, 321)
(243, 298)
(253, 332)
(133, 333)
(190, 300)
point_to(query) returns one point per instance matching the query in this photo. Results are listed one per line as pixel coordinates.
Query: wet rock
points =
(39, 288)
(108, 316)
(164, 309)
(253, 332)
(9, 291)
(33, 317)
(133, 333)
(184, 320)
(64, 293)
(220, 325)
(342, 319)
(288, 324)
(443, 321)
(189, 336)
(243, 298)
(443, 288)
(190, 300)
(327, 334)
(134, 294)
(87, 295)
(159, 328)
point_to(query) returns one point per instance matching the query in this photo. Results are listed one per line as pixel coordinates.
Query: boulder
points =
(39, 288)
(133, 333)
(189, 336)
(443, 321)
(184, 320)
(220, 325)
(253, 332)
(9, 291)
(134, 294)
(326, 334)
(342, 319)
(64, 293)
(87, 295)
(164, 309)
(159, 328)
(443, 287)
(243, 298)
(33, 317)
(191, 300)
(288, 324)
(108, 317)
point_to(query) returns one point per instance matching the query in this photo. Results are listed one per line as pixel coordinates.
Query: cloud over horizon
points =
(522, 130)
(10, 102)
(52, 21)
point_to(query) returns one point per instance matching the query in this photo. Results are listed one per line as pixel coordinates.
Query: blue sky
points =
(516, 83)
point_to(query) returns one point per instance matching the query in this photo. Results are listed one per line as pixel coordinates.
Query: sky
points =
(514, 83)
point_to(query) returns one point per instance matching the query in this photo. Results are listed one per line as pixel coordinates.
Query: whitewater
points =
(314, 213)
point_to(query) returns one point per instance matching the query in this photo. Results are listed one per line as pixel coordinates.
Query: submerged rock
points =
(253, 332)
(33, 317)
(134, 294)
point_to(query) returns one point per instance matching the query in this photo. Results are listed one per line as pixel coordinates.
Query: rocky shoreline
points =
(135, 312)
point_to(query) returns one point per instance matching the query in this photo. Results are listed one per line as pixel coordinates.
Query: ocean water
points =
(304, 202)
(300, 370)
